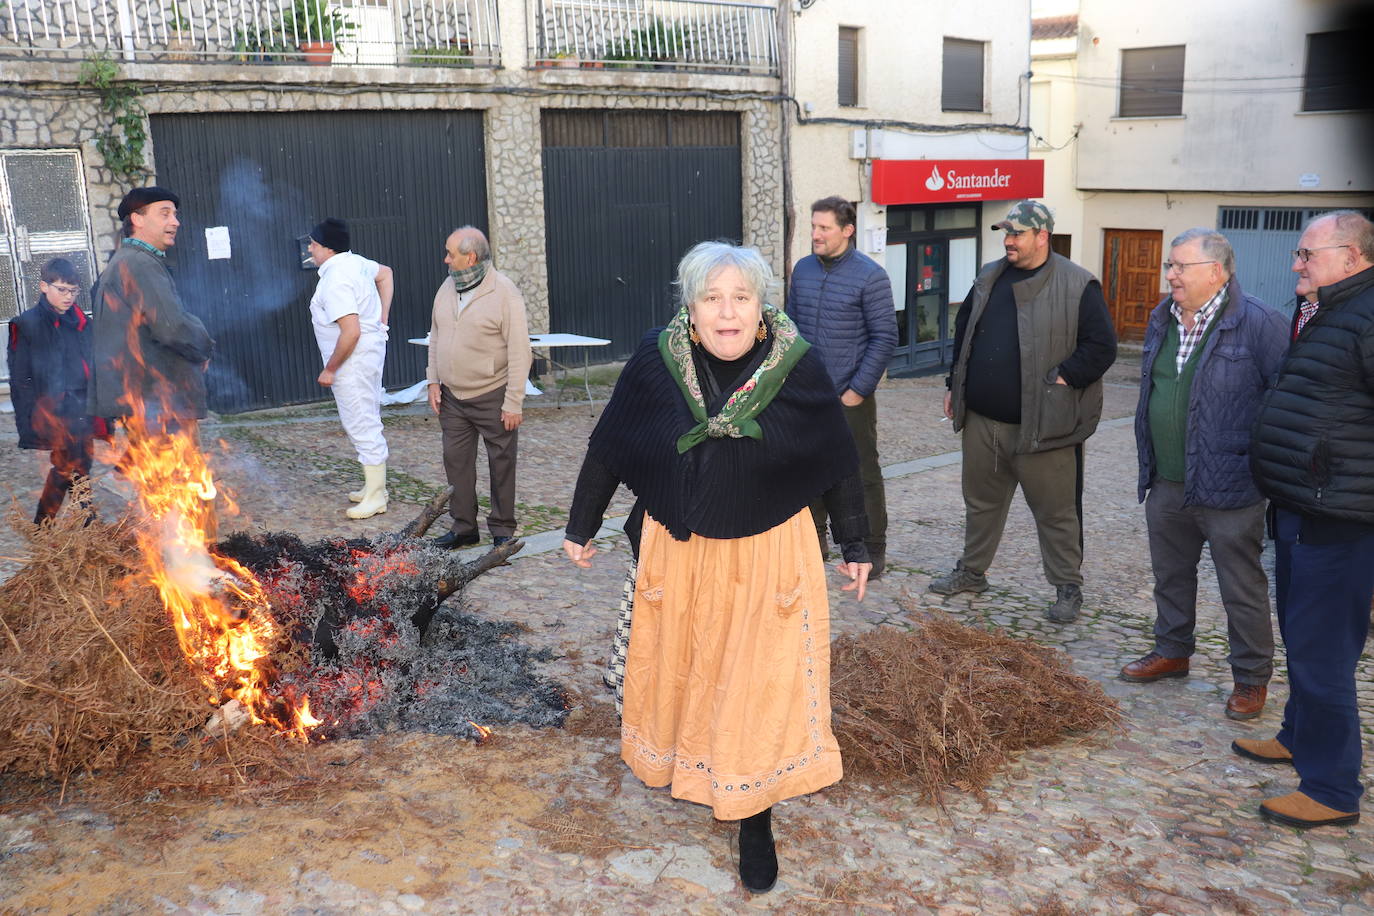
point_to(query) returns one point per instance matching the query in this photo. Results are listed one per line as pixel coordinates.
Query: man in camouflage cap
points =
(1031, 342)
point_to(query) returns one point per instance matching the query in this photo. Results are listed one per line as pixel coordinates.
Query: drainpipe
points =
(785, 38)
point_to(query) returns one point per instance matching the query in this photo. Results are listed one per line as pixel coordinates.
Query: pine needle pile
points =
(90, 668)
(948, 705)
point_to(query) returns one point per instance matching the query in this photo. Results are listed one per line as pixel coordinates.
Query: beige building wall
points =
(1242, 126)
(900, 60)
(1054, 125)
(1241, 141)
(1170, 215)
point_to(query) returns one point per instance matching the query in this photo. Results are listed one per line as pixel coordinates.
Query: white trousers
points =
(357, 392)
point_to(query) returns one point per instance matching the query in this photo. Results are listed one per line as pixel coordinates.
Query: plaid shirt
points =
(1307, 310)
(1188, 340)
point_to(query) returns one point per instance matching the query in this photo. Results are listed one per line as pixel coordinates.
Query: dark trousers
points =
(1051, 482)
(71, 460)
(463, 423)
(1323, 593)
(1235, 538)
(863, 426)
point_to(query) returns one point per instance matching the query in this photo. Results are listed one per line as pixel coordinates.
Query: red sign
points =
(929, 181)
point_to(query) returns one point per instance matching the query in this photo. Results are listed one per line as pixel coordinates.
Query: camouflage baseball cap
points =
(1027, 214)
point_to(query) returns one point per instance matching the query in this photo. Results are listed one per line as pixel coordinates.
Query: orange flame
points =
(483, 733)
(219, 609)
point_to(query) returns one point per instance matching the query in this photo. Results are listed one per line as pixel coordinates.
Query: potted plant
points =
(458, 54)
(316, 27)
(179, 41)
(566, 59)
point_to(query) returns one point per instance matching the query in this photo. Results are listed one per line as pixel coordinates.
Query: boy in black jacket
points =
(49, 360)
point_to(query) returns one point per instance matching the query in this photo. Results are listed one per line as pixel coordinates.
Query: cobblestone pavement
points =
(1158, 818)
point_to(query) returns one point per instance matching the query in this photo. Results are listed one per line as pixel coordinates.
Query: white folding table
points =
(549, 342)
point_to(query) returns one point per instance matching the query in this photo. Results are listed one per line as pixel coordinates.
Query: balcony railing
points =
(436, 33)
(655, 35)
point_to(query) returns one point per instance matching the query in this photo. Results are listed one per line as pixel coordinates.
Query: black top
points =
(993, 386)
(754, 484)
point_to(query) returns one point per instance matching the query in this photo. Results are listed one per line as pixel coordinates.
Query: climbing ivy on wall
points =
(123, 137)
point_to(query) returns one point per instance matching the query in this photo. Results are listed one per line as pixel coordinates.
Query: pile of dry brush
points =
(948, 705)
(90, 668)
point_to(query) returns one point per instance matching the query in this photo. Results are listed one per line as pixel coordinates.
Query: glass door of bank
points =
(931, 258)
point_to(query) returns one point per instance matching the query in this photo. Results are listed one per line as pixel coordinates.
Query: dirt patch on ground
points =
(402, 810)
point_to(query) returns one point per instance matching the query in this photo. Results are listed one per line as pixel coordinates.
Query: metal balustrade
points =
(438, 33)
(710, 35)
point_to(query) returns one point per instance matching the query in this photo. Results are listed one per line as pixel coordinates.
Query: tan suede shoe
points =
(1297, 810)
(1268, 750)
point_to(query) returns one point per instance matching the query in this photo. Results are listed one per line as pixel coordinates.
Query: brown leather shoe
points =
(1267, 750)
(1246, 701)
(1154, 667)
(1298, 810)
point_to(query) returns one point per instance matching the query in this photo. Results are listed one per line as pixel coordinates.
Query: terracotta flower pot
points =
(319, 53)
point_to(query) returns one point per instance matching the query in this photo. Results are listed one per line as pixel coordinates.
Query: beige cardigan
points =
(486, 346)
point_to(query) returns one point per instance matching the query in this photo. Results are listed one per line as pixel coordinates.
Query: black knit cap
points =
(332, 234)
(139, 198)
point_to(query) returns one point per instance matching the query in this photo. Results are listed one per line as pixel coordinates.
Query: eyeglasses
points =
(1179, 265)
(67, 291)
(1305, 254)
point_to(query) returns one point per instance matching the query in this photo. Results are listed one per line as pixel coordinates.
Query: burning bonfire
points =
(120, 639)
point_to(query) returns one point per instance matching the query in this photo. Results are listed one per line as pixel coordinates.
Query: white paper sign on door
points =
(217, 243)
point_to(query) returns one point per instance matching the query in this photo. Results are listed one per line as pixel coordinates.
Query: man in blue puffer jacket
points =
(1210, 352)
(841, 300)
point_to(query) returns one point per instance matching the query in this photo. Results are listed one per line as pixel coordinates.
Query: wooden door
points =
(1132, 277)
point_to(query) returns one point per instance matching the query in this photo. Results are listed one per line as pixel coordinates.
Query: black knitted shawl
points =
(725, 487)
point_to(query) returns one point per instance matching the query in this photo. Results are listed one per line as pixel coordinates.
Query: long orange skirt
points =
(727, 681)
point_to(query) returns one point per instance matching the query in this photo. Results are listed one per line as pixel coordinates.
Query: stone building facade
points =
(46, 109)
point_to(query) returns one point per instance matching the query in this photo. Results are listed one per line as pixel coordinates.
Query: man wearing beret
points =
(349, 312)
(149, 353)
(1031, 343)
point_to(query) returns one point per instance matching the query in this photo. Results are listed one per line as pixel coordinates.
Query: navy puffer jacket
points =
(1237, 364)
(1313, 449)
(846, 313)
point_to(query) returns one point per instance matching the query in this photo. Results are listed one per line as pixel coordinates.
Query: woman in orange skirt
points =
(726, 427)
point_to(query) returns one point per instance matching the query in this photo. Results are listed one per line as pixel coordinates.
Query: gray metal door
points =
(1263, 239)
(626, 193)
(42, 216)
(402, 180)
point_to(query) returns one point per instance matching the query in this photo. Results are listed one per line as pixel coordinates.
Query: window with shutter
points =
(961, 88)
(1151, 82)
(849, 67)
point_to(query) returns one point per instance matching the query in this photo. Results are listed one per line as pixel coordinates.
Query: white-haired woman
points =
(725, 427)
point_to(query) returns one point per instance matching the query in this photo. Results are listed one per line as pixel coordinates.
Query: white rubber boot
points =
(356, 496)
(374, 492)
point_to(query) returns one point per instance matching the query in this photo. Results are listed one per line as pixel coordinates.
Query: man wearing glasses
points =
(1210, 352)
(1031, 342)
(1313, 456)
(49, 359)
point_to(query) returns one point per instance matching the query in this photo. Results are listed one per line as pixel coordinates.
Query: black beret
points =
(139, 198)
(332, 233)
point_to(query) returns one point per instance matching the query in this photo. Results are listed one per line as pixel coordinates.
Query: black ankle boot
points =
(758, 858)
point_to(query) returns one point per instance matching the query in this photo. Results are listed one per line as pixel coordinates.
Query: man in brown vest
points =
(1031, 343)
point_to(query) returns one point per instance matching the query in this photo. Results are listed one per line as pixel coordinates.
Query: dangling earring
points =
(692, 333)
(762, 332)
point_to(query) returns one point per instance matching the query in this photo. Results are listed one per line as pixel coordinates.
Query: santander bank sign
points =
(928, 181)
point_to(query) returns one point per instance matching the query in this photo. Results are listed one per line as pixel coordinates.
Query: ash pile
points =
(376, 647)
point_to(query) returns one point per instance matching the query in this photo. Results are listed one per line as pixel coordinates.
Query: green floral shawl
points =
(736, 418)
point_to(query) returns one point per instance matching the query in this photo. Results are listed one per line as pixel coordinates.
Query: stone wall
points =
(47, 111)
